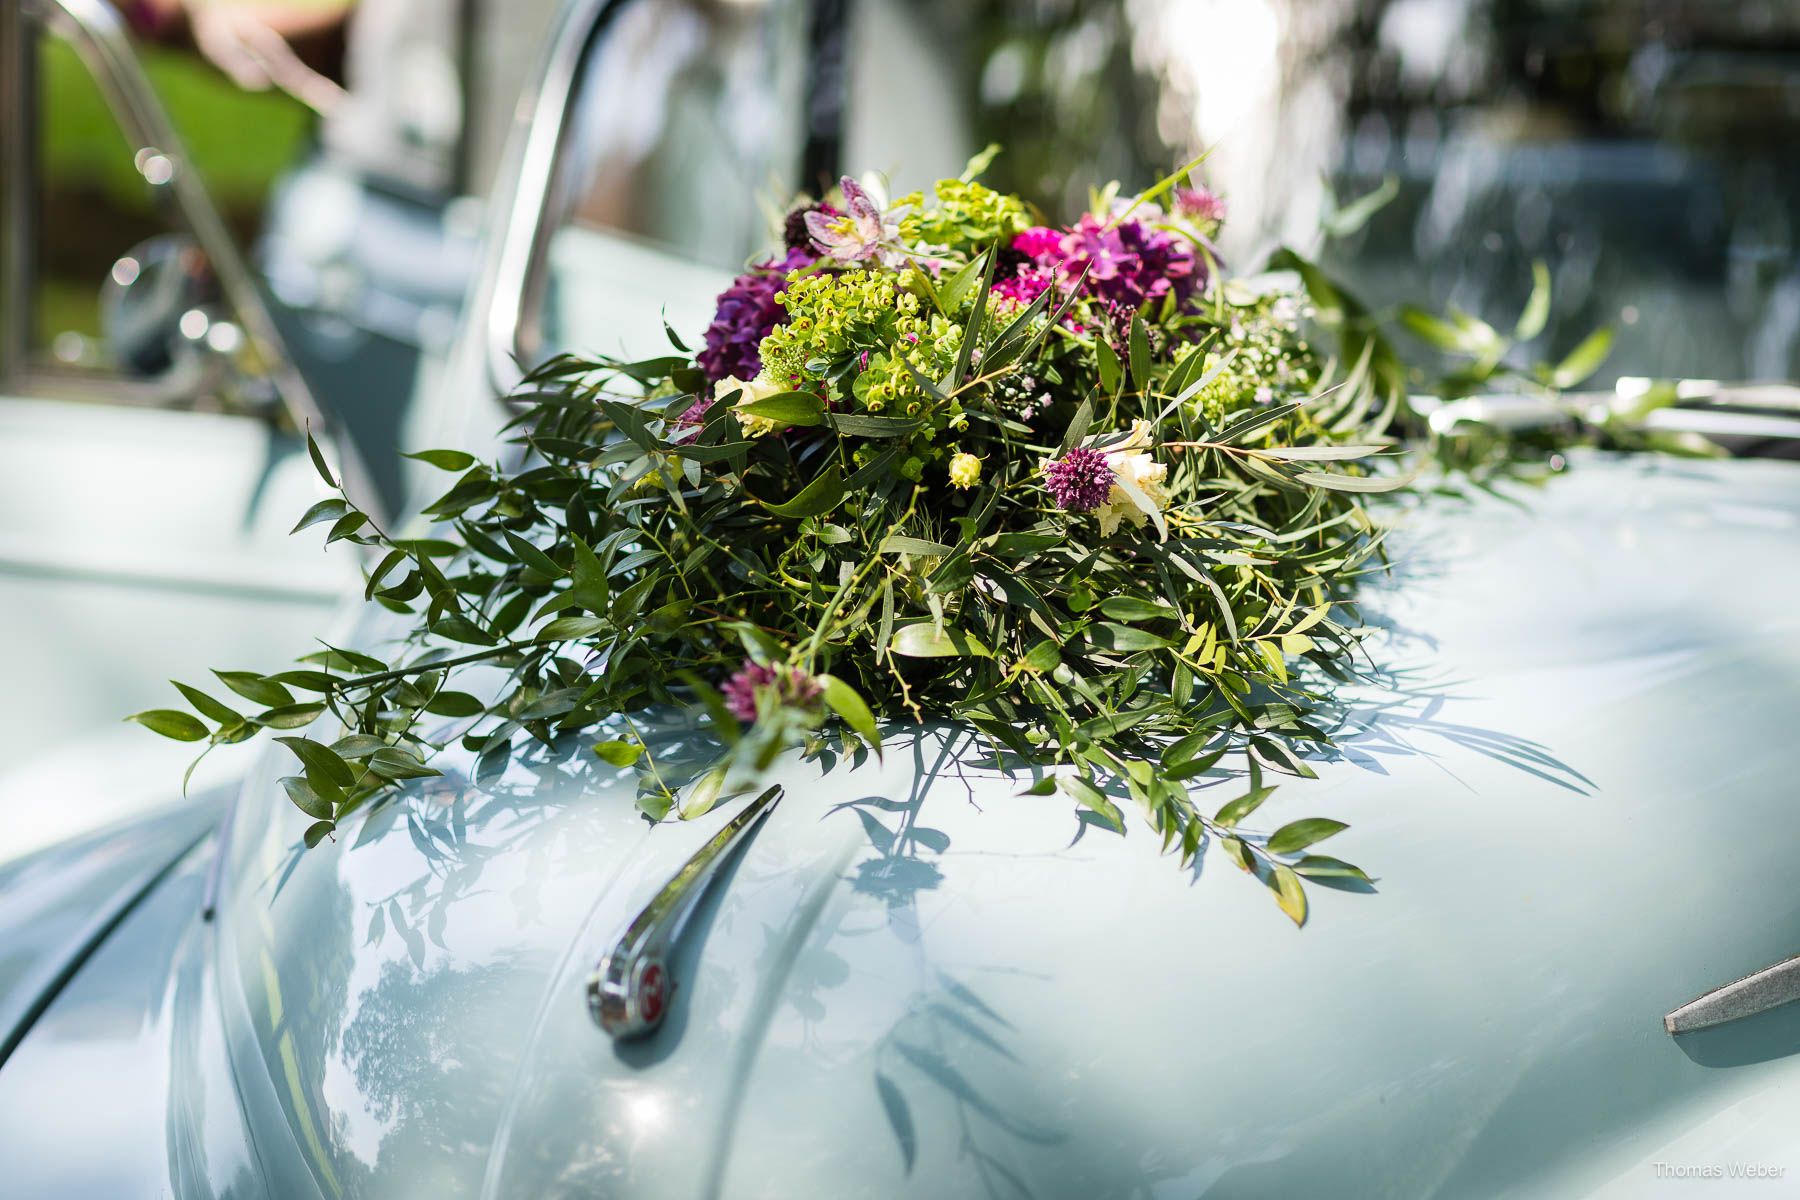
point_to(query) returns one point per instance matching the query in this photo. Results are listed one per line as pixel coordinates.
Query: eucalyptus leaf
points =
(923, 640)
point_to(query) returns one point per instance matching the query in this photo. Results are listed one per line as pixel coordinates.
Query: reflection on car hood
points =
(1572, 777)
(56, 904)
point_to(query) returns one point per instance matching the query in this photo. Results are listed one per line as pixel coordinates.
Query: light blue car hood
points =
(1574, 779)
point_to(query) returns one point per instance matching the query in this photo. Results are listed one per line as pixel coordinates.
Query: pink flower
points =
(789, 685)
(1200, 205)
(1041, 243)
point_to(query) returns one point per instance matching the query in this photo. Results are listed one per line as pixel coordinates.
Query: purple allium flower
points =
(747, 312)
(793, 688)
(793, 230)
(1079, 481)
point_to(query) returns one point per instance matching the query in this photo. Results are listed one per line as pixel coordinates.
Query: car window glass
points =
(119, 290)
(683, 140)
(92, 206)
(1641, 148)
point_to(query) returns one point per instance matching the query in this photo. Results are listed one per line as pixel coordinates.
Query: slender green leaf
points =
(1584, 360)
(445, 460)
(322, 759)
(1300, 834)
(171, 723)
(924, 641)
(618, 753)
(786, 408)
(820, 496)
(324, 510)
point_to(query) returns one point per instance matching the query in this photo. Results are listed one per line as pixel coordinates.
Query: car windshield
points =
(1639, 148)
(682, 108)
(692, 125)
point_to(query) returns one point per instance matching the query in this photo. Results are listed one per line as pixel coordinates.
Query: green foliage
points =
(967, 218)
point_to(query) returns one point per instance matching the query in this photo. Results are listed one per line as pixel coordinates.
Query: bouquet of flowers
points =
(1070, 486)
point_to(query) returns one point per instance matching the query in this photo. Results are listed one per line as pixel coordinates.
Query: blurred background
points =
(153, 379)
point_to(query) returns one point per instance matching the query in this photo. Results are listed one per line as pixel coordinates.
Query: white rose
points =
(1146, 475)
(760, 388)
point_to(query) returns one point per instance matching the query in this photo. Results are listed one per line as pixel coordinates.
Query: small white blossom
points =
(756, 389)
(1146, 475)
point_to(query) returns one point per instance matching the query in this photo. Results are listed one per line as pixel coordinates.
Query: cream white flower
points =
(1142, 434)
(762, 387)
(1144, 473)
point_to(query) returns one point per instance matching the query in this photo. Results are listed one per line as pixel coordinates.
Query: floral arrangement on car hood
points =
(1069, 485)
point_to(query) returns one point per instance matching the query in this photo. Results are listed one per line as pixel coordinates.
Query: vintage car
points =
(1572, 779)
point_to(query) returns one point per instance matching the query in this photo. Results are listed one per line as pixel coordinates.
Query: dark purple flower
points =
(747, 312)
(793, 229)
(1131, 264)
(1079, 481)
(792, 687)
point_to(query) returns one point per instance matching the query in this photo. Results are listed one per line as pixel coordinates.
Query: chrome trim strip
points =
(629, 991)
(1699, 414)
(1722, 423)
(1759, 992)
(16, 199)
(93, 29)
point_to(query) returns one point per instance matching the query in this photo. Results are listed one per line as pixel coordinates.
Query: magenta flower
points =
(1027, 285)
(1079, 481)
(791, 687)
(1041, 244)
(1028, 266)
(860, 233)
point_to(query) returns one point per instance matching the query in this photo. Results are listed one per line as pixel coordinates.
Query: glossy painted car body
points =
(1572, 779)
(915, 981)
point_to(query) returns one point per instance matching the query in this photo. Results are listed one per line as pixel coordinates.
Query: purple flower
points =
(792, 688)
(1125, 265)
(1079, 481)
(747, 312)
(1130, 264)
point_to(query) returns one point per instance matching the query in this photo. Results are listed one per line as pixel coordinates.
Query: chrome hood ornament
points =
(630, 989)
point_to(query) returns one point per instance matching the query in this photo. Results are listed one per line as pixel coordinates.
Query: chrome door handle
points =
(1758, 992)
(628, 993)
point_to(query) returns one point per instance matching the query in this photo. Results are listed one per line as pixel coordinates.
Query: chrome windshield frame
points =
(522, 194)
(15, 191)
(526, 183)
